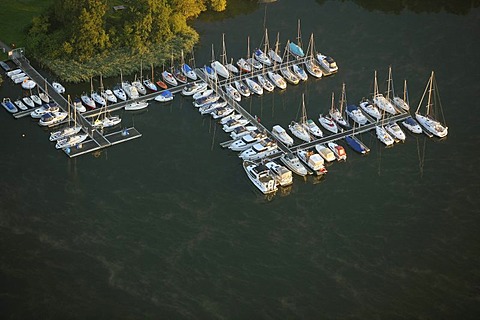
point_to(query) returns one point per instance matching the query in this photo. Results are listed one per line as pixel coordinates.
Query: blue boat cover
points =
(296, 50)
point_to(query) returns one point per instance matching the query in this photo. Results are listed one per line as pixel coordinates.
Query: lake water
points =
(168, 226)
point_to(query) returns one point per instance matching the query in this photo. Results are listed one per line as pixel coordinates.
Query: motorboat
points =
(247, 141)
(98, 98)
(58, 87)
(9, 106)
(239, 132)
(254, 86)
(29, 102)
(395, 131)
(130, 90)
(325, 152)
(232, 92)
(356, 115)
(232, 124)
(412, 125)
(293, 163)
(295, 50)
(194, 87)
(188, 71)
(28, 84)
(265, 83)
(71, 141)
(64, 133)
(136, 105)
(139, 86)
(14, 72)
(220, 69)
(277, 79)
(313, 161)
(282, 175)
(370, 109)
(161, 84)
(87, 101)
(5, 66)
(202, 94)
(289, 75)
(383, 136)
(210, 72)
(51, 118)
(164, 96)
(36, 99)
(44, 97)
(150, 85)
(20, 105)
(327, 63)
(120, 93)
(254, 63)
(242, 88)
(232, 116)
(262, 57)
(244, 65)
(209, 108)
(178, 74)
(109, 96)
(328, 123)
(106, 122)
(168, 78)
(299, 131)
(282, 135)
(78, 105)
(222, 111)
(259, 150)
(383, 103)
(260, 176)
(356, 144)
(206, 100)
(39, 112)
(299, 72)
(338, 151)
(312, 128)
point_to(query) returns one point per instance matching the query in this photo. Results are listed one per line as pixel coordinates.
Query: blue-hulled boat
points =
(356, 145)
(7, 104)
(296, 50)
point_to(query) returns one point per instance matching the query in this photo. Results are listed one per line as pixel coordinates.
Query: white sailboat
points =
(217, 65)
(311, 64)
(337, 114)
(261, 55)
(187, 70)
(327, 121)
(380, 100)
(273, 54)
(428, 120)
(68, 131)
(298, 129)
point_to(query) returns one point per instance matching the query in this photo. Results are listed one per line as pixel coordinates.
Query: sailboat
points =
(380, 100)
(273, 54)
(44, 95)
(296, 48)
(428, 121)
(402, 103)
(242, 63)
(148, 83)
(311, 64)
(285, 71)
(232, 91)
(118, 90)
(336, 114)
(68, 131)
(218, 67)
(187, 70)
(168, 77)
(298, 129)
(178, 73)
(105, 120)
(138, 83)
(98, 98)
(260, 55)
(354, 143)
(380, 130)
(87, 101)
(327, 121)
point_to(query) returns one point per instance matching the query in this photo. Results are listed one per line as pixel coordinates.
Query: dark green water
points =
(169, 227)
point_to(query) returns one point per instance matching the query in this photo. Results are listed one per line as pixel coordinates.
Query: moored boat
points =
(20, 105)
(164, 96)
(9, 106)
(136, 105)
(260, 176)
(338, 151)
(313, 161)
(58, 87)
(293, 163)
(282, 135)
(412, 125)
(280, 173)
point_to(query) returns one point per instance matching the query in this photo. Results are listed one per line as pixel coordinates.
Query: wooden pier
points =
(218, 86)
(98, 139)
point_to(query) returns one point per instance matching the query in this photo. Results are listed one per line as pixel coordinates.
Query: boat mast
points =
(390, 83)
(375, 85)
(151, 65)
(299, 35)
(342, 99)
(333, 102)
(303, 120)
(405, 98)
(430, 94)
(224, 50)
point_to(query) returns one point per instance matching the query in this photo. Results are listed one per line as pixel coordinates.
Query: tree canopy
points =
(81, 30)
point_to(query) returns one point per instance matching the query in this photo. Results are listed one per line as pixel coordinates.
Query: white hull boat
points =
(136, 105)
(293, 163)
(370, 109)
(299, 131)
(58, 87)
(281, 174)
(29, 102)
(71, 141)
(265, 83)
(395, 131)
(412, 125)
(328, 123)
(242, 88)
(282, 135)
(277, 79)
(313, 161)
(338, 151)
(254, 87)
(312, 128)
(260, 177)
(383, 136)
